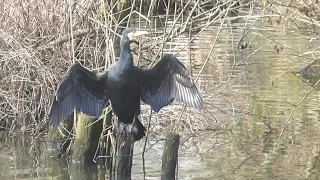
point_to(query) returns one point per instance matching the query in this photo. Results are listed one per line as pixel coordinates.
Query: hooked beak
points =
(133, 35)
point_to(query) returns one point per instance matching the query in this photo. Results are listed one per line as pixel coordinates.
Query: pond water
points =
(249, 94)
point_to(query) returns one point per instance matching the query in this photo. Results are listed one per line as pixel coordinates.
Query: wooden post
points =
(170, 156)
(87, 138)
(84, 171)
(122, 160)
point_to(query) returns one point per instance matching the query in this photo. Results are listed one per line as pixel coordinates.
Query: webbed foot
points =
(120, 128)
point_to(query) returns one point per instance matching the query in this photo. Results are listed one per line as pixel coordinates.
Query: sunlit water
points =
(244, 90)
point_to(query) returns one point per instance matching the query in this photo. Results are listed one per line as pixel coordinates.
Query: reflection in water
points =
(248, 93)
(26, 158)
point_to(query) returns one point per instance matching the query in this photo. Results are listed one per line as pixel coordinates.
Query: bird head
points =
(130, 35)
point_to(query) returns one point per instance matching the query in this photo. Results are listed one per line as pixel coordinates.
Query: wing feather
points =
(166, 81)
(81, 89)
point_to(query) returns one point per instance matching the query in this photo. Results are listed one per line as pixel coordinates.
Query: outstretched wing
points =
(166, 81)
(81, 89)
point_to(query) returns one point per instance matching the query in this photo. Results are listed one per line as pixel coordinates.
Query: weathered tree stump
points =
(122, 157)
(87, 138)
(170, 156)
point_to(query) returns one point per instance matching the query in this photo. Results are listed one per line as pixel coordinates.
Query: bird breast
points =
(123, 88)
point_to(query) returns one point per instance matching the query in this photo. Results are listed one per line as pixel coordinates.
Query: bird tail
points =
(141, 130)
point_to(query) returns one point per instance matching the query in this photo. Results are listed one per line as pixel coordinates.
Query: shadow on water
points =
(248, 91)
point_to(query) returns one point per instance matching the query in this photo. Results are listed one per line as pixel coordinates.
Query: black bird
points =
(124, 85)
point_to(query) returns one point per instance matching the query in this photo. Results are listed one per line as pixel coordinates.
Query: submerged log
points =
(309, 72)
(87, 138)
(170, 156)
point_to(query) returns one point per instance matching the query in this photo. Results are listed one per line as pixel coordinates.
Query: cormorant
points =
(124, 85)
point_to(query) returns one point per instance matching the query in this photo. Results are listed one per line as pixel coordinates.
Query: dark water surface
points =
(245, 91)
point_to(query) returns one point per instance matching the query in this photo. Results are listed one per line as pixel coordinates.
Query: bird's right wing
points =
(81, 89)
(166, 81)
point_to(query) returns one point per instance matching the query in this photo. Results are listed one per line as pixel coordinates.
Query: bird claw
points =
(120, 128)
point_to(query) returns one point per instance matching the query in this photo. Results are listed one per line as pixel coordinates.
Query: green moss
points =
(87, 138)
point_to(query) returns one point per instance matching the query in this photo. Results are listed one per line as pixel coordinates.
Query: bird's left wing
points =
(81, 89)
(166, 81)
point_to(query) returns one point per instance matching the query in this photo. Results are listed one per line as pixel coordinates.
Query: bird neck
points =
(125, 55)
